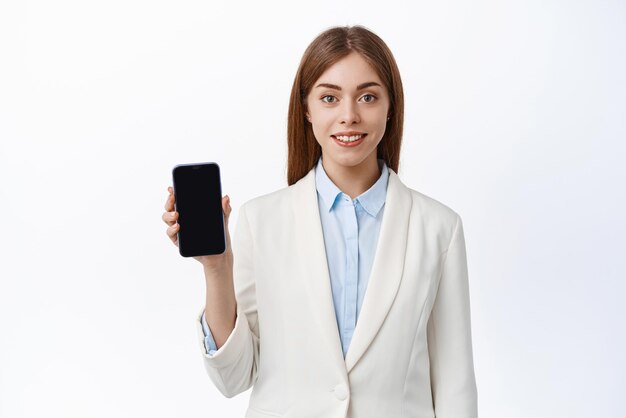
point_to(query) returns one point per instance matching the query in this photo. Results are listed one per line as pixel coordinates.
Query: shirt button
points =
(341, 392)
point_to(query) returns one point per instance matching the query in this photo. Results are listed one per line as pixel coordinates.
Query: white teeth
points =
(349, 138)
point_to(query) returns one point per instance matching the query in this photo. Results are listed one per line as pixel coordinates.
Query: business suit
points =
(410, 354)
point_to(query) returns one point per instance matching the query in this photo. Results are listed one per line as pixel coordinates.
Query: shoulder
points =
(425, 205)
(269, 203)
(434, 219)
(433, 207)
(434, 216)
(279, 203)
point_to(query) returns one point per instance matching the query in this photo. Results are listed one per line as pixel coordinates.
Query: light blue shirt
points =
(351, 228)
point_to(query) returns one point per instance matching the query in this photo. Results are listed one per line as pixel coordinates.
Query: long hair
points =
(326, 49)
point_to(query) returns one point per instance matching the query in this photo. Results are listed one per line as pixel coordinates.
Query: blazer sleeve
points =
(233, 367)
(449, 338)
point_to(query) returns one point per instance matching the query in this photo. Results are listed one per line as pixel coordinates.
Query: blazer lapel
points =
(311, 253)
(386, 270)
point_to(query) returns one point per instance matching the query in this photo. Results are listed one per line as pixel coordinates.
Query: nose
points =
(349, 113)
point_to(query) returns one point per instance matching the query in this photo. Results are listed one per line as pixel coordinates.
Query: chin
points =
(349, 160)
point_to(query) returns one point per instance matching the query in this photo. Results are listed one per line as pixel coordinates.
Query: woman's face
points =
(346, 101)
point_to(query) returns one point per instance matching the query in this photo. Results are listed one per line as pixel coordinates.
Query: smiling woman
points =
(347, 84)
(348, 295)
(349, 127)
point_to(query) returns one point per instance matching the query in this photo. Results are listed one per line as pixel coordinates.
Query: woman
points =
(348, 294)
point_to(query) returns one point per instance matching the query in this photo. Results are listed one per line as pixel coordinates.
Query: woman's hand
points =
(217, 263)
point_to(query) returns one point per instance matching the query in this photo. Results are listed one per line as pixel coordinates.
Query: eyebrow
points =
(359, 87)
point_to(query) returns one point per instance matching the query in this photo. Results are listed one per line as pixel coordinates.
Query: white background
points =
(515, 118)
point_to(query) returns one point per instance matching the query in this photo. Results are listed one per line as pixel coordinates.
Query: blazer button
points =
(341, 392)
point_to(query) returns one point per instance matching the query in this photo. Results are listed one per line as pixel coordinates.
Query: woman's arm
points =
(449, 336)
(221, 305)
(231, 313)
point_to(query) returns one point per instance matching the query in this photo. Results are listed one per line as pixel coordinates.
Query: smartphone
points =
(198, 193)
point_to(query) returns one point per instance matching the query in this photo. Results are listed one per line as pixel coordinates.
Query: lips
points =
(348, 144)
(363, 135)
(349, 133)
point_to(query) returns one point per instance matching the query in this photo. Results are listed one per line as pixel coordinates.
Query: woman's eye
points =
(368, 98)
(371, 96)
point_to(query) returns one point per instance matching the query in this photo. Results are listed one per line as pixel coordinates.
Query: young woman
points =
(348, 292)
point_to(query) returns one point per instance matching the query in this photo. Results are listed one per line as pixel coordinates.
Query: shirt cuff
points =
(209, 342)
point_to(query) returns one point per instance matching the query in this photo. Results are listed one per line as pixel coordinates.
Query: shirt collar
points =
(372, 200)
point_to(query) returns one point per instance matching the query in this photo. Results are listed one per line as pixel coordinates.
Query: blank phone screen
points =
(198, 192)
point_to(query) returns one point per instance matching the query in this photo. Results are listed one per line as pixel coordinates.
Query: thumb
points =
(226, 206)
(227, 211)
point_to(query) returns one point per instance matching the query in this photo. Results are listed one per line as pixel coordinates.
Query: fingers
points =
(170, 216)
(169, 203)
(172, 231)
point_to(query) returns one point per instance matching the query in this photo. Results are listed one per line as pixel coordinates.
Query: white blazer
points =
(411, 353)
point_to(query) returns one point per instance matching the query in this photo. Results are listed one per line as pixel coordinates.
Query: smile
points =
(349, 141)
(351, 138)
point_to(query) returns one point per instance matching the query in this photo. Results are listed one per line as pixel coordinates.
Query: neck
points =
(355, 180)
